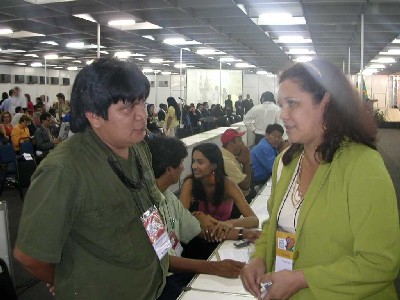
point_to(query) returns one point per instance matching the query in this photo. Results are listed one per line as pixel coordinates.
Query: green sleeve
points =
(374, 223)
(189, 225)
(48, 214)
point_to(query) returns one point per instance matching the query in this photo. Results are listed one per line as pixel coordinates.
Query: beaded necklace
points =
(297, 196)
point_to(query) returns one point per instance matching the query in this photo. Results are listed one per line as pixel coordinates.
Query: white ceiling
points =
(333, 27)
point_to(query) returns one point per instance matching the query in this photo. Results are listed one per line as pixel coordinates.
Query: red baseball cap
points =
(230, 134)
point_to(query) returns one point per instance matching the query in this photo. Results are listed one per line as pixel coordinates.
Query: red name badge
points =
(156, 232)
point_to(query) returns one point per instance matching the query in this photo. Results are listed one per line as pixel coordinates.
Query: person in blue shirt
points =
(264, 153)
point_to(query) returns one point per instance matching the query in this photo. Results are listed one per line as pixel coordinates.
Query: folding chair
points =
(27, 147)
(8, 160)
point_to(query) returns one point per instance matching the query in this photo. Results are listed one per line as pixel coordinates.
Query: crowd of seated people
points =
(21, 119)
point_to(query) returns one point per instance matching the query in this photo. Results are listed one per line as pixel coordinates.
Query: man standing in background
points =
(260, 116)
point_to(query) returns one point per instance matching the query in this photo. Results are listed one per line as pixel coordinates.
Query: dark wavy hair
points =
(345, 115)
(214, 155)
(172, 102)
(166, 152)
(106, 81)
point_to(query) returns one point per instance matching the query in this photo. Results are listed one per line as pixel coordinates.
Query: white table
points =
(211, 295)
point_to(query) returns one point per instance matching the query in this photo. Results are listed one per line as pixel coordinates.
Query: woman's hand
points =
(284, 284)
(207, 224)
(251, 274)
(52, 290)
(220, 231)
(251, 235)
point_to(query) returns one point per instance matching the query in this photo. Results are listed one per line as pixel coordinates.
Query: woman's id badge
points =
(156, 232)
(285, 242)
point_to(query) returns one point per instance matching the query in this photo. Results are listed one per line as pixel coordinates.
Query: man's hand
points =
(227, 268)
(220, 231)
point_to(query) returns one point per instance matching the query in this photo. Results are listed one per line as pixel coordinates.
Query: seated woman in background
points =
(5, 120)
(20, 132)
(210, 191)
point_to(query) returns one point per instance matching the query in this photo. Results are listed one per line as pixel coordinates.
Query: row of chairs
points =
(16, 167)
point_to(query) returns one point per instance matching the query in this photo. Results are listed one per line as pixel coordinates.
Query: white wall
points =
(36, 90)
(255, 85)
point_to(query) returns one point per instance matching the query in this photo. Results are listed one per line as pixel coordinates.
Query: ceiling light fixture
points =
(303, 59)
(208, 51)
(122, 54)
(262, 72)
(244, 65)
(228, 59)
(20, 64)
(76, 45)
(384, 60)
(156, 60)
(180, 66)
(31, 55)
(376, 66)
(47, 1)
(6, 31)
(89, 62)
(122, 22)
(179, 41)
(51, 56)
(165, 73)
(147, 70)
(149, 37)
(50, 43)
(72, 68)
(36, 64)
(86, 17)
(300, 51)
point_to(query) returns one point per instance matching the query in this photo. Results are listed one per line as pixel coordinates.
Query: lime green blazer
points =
(348, 237)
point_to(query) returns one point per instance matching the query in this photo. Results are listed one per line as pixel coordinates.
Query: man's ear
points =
(94, 120)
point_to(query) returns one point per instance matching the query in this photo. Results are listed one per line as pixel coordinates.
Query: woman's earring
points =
(324, 127)
(212, 177)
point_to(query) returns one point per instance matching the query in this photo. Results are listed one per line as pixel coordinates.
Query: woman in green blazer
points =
(332, 193)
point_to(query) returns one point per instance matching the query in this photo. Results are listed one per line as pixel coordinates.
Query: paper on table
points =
(242, 254)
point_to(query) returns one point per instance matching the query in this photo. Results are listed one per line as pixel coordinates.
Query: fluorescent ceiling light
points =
(104, 52)
(122, 54)
(208, 51)
(77, 61)
(149, 37)
(166, 73)
(376, 66)
(393, 51)
(72, 68)
(147, 70)
(58, 67)
(89, 62)
(179, 41)
(6, 31)
(155, 60)
(47, 1)
(293, 39)
(24, 34)
(228, 59)
(20, 64)
(166, 65)
(36, 64)
(303, 58)
(369, 71)
(262, 72)
(384, 60)
(66, 57)
(139, 58)
(137, 26)
(31, 55)
(12, 51)
(242, 8)
(86, 17)
(244, 65)
(137, 54)
(229, 64)
(300, 51)
(179, 66)
(210, 57)
(51, 56)
(122, 22)
(280, 19)
(396, 41)
(50, 43)
(76, 45)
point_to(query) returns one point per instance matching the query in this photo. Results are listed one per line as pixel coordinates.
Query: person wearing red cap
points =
(236, 159)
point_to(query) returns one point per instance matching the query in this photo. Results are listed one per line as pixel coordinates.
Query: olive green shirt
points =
(80, 216)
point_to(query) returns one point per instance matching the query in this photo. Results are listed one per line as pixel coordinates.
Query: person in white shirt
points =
(17, 116)
(260, 116)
